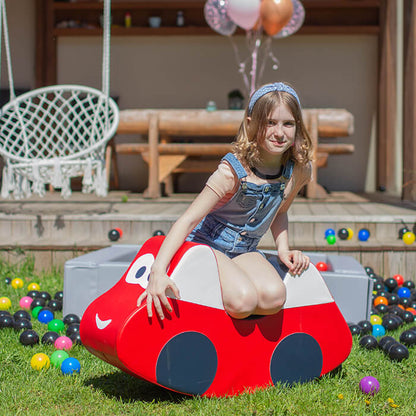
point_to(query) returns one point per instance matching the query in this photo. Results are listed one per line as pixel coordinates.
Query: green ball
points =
(57, 357)
(331, 239)
(56, 325)
(35, 311)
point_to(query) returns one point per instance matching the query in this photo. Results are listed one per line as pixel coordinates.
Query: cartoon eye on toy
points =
(140, 270)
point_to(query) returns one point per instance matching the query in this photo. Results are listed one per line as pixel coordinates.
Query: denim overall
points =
(238, 226)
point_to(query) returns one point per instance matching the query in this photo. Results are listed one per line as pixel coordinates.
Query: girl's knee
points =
(273, 297)
(242, 304)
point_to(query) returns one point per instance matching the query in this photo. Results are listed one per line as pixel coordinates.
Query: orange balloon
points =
(275, 15)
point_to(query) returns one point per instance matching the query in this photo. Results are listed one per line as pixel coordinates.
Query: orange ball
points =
(411, 310)
(380, 300)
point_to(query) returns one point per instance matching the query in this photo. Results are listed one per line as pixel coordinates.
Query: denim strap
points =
(236, 165)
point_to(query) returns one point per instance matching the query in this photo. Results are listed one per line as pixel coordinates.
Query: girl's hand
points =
(295, 261)
(155, 293)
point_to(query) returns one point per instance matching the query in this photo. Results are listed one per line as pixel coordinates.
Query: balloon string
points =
(241, 65)
(266, 54)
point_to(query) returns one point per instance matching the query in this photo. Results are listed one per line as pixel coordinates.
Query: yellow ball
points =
(350, 233)
(17, 283)
(5, 304)
(375, 320)
(409, 238)
(40, 361)
(33, 286)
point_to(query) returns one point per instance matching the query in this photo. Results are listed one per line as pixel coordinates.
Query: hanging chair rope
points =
(51, 134)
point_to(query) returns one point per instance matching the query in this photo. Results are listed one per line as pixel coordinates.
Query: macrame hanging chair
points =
(52, 134)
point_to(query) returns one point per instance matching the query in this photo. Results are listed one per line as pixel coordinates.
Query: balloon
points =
(295, 23)
(275, 15)
(215, 12)
(244, 13)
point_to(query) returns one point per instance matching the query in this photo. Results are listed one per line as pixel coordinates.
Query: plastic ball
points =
(63, 343)
(56, 325)
(45, 295)
(29, 337)
(40, 361)
(409, 284)
(33, 286)
(378, 330)
(354, 329)
(368, 342)
(5, 303)
(58, 357)
(17, 283)
(25, 302)
(403, 292)
(33, 293)
(390, 284)
(368, 270)
(381, 308)
(72, 329)
(384, 340)
(365, 326)
(329, 231)
(409, 238)
(363, 234)
(21, 324)
(70, 366)
(331, 239)
(76, 338)
(343, 233)
(158, 232)
(7, 280)
(36, 310)
(45, 316)
(50, 337)
(380, 300)
(322, 266)
(71, 318)
(398, 352)
(55, 304)
(37, 302)
(375, 320)
(113, 235)
(59, 295)
(369, 385)
(22, 314)
(402, 232)
(399, 279)
(6, 321)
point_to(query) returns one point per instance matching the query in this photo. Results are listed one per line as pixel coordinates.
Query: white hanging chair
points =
(52, 134)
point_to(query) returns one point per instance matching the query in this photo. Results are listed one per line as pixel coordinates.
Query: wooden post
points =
(387, 93)
(153, 190)
(409, 104)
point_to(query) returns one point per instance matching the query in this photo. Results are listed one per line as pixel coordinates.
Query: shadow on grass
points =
(127, 388)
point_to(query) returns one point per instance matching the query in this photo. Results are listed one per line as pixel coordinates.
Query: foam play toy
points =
(198, 349)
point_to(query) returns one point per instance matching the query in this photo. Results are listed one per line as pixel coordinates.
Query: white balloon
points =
(244, 13)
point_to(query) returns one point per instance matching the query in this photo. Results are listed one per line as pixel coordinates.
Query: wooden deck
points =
(55, 230)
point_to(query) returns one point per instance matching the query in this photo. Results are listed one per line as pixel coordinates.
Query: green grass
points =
(101, 389)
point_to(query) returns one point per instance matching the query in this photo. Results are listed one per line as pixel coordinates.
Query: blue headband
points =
(277, 86)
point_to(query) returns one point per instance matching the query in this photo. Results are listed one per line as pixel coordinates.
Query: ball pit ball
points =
(5, 303)
(369, 385)
(63, 343)
(399, 279)
(329, 231)
(72, 329)
(408, 338)
(25, 302)
(403, 292)
(368, 269)
(402, 232)
(408, 317)
(381, 308)
(76, 338)
(354, 329)
(368, 342)
(22, 314)
(29, 337)
(158, 232)
(398, 352)
(409, 284)
(113, 235)
(59, 295)
(40, 361)
(378, 331)
(7, 280)
(33, 293)
(322, 266)
(375, 320)
(343, 233)
(365, 326)
(22, 324)
(36, 310)
(55, 304)
(6, 321)
(350, 233)
(409, 238)
(33, 286)
(58, 357)
(49, 338)
(45, 316)
(70, 366)
(56, 325)
(363, 234)
(17, 283)
(71, 318)
(45, 295)
(38, 302)
(380, 300)
(390, 284)
(331, 239)
(384, 340)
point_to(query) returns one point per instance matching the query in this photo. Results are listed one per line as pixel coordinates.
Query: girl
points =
(249, 193)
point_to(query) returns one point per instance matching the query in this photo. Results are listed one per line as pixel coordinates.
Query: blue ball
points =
(403, 292)
(329, 231)
(70, 366)
(363, 234)
(378, 331)
(45, 316)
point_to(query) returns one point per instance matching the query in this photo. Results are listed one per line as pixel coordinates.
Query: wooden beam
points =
(387, 93)
(409, 104)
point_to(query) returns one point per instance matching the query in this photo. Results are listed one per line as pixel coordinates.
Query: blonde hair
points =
(251, 132)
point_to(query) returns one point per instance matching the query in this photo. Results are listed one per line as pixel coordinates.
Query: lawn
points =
(100, 389)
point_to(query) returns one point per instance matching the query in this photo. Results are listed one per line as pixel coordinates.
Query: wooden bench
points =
(166, 157)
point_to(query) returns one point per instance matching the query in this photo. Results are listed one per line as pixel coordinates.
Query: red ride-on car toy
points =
(198, 348)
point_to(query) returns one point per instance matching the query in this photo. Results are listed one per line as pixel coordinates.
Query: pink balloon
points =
(244, 13)
(295, 23)
(215, 12)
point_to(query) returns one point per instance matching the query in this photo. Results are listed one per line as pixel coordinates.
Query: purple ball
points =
(369, 385)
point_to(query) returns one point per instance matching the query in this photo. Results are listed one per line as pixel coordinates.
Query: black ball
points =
(355, 329)
(50, 337)
(37, 302)
(2, 313)
(365, 327)
(385, 339)
(368, 269)
(368, 342)
(402, 232)
(409, 284)
(408, 338)
(394, 299)
(7, 280)
(71, 319)
(29, 337)
(381, 308)
(22, 314)
(389, 322)
(378, 286)
(45, 295)
(388, 344)
(76, 338)
(21, 324)
(158, 232)
(343, 233)
(408, 317)
(72, 329)
(55, 304)
(6, 321)
(398, 352)
(59, 295)
(113, 235)
(390, 284)
(33, 294)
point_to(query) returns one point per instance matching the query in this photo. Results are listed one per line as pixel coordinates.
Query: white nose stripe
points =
(101, 324)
